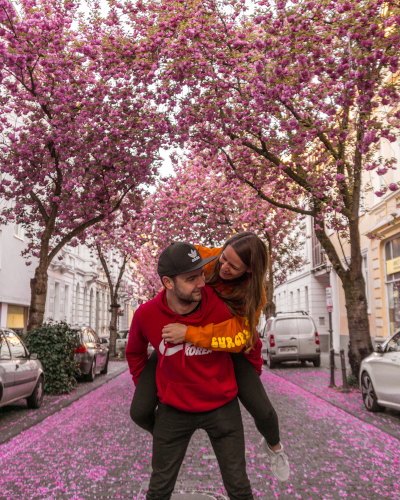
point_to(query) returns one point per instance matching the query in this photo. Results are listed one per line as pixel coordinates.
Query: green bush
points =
(352, 380)
(54, 343)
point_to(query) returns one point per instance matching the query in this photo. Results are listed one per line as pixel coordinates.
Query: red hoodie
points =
(189, 378)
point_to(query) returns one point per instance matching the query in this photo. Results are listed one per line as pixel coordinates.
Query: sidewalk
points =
(316, 381)
(18, 417)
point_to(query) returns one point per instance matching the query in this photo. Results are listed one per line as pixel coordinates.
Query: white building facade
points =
(305, 290)
(77, 290)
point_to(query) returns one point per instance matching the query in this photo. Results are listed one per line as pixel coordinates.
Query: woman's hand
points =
(174, 333)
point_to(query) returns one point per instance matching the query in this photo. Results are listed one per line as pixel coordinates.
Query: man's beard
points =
(185, 298)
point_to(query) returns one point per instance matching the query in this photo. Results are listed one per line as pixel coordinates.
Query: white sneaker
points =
(279, 462)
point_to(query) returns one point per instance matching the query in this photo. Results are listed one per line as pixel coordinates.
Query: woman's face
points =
(232, 265)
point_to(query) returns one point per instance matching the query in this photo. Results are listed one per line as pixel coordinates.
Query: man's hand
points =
(174, 333)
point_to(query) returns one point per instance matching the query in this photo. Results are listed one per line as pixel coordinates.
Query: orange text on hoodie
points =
(231, 335)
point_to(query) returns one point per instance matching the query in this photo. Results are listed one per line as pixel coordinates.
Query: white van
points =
(290, 336)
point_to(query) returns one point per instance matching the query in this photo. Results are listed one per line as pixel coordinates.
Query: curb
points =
(388, 432)
(64, 403)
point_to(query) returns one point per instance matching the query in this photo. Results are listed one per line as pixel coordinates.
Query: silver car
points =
(122, 340)
(92, 353)
(290, 337)
(21, 373)
(380, 376)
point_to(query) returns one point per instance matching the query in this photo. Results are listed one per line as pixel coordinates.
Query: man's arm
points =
(136, 349)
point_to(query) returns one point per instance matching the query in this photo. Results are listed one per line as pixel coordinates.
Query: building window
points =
(56, 301)
(317, 259)
(15, 318)
(298, 299)
(306, 299)
(66, 303)
(366, 279)
(321, 321)
(91, 300)
(291, 302)
(19, 231)
(392, 273)
(77, 292)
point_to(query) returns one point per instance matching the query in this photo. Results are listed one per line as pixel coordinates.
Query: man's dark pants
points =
(172, 432)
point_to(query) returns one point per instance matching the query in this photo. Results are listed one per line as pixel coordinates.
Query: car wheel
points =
(104, 371)
(270, 363)
(368, 394)
(92, 372)
(317, 362)
(36, 398)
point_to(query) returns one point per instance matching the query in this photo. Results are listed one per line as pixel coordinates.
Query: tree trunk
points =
(353, 283)
(113, 328)
(39, 282)
(38, 296)
(360, 344)
(269, 308)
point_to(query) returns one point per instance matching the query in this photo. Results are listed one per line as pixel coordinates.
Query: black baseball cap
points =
(179, 258)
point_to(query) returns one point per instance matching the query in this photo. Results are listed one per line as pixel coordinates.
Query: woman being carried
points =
(237, 277)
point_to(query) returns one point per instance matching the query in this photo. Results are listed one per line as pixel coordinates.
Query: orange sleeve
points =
(229, 336)
(208, 252)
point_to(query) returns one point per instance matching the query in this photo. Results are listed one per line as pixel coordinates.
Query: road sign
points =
(329, 299)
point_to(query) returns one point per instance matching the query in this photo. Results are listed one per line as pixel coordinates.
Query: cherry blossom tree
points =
(114, 245)
(206, 206)
(145, 277)
(295, 94)
(79, 133)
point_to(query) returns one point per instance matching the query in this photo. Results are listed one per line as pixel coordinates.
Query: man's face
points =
(187, 287)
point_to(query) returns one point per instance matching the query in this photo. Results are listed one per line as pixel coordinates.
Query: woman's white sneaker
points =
(279, 462)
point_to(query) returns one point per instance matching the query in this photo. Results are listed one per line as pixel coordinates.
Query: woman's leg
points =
(145, 399)
(252, 395)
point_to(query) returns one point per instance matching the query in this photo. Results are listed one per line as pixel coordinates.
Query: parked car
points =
(105, 341)
(122, 340)
(290, 337)
(92, 353)
(380, 376)
(21, 373)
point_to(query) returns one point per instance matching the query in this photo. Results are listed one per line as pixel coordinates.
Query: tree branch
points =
(263, 196)
(106, 270)
(41, 208)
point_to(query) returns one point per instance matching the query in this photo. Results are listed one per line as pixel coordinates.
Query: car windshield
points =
(394, 344)
(304, 326)
(286, 326)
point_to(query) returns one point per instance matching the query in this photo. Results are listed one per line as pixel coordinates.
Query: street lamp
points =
(329, 303)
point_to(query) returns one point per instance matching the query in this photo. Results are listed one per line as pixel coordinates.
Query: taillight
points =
(271, 341)
(80, 350)
(316, 338)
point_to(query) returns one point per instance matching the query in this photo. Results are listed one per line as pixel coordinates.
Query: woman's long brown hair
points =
(244, 295)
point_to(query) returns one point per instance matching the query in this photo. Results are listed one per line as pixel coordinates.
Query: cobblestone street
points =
(91, 450)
